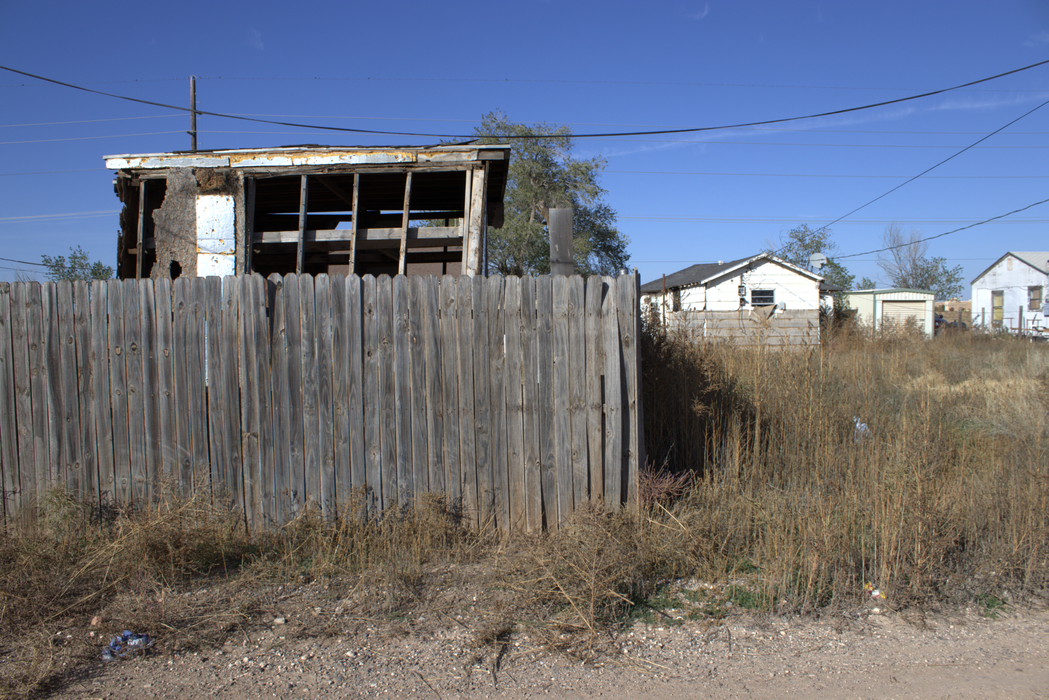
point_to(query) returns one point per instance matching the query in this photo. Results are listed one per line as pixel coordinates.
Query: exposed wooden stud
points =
(300, 250)
(404, 221)
(464, 223)
(140, 244)
(476, 220)
(353, 223)
(249, 222)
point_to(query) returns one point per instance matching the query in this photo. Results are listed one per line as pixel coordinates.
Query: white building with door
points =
(882, 309)
(1010, 294)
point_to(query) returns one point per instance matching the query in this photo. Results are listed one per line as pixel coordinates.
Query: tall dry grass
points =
(944, 496)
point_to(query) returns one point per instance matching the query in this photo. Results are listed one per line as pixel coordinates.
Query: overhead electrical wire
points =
(22, 262)
(940, 235)
(515, 137)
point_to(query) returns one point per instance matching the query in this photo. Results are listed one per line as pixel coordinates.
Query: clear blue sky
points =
(437, 67)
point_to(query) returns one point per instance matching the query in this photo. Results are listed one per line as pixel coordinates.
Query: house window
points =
(675, 300)
(762, 297)
(1034, 298)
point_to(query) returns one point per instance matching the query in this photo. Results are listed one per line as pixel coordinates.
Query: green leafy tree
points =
(77, 267)
(798, 244)
(908, 266)
(866, 283)
(543, 176)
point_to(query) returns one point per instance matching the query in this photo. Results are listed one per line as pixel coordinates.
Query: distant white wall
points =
(1013, 278)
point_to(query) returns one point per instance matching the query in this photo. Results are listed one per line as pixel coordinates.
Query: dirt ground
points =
(304, 643)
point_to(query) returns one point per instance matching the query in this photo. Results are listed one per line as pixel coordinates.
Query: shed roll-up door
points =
(897, 312)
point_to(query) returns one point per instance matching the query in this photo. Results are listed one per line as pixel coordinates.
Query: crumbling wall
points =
(175, 223)
(176, 219)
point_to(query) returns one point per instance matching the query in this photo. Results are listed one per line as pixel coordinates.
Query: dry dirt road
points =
(962, 655)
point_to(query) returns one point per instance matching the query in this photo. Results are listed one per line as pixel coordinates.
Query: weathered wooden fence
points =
(782, 328)
(516, 397)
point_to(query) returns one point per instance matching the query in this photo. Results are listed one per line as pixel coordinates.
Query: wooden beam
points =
(476, 221)
(404, 221)
(465, 222)
(430, 235)
(300, 248)
(140, 240)
(353, 223)
(249, 222)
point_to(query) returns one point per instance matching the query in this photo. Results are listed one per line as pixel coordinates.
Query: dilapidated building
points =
(309, 209)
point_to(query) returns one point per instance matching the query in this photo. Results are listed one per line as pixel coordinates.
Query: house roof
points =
(703, 273)
(890, 290)
(1036, 259)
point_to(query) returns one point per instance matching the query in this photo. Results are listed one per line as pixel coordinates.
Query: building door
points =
(997, 309)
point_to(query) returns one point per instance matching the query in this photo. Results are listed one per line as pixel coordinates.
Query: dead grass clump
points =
(916, 466)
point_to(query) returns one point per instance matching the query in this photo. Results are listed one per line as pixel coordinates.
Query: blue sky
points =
(436, 68)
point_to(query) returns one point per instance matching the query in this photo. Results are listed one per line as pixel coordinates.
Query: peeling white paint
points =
(216, 235)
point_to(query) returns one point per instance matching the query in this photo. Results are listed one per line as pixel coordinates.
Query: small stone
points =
(279, 620)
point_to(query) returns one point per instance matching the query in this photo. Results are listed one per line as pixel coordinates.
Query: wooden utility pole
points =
(560, 224)
(193, 113)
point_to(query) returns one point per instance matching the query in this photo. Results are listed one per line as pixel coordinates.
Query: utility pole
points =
(192, 113)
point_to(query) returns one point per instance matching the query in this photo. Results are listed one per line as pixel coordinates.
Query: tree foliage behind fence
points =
(516, 397)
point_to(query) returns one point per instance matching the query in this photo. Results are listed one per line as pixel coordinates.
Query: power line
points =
(953, 156)
(877, 177)
(515, 137)
(89, 138)
(92, 121)
(22, 262)
(70, 215)
(55, 172)
(940, 235)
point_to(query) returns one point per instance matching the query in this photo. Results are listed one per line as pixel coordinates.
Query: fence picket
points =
(517, 398)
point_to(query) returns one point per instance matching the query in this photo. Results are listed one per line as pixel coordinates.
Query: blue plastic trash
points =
(127, 644)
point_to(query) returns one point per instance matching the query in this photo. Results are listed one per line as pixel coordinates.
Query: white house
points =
(1012, 289)
(760, 299)
(883, 308)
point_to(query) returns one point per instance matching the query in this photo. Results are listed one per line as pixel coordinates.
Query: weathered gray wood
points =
(134, 367)
(613, 401)
(300, 247)
(483, 403)
(281, 393)
(265, 493)
(627, 306)
(530, 406)
(547, 433)
(198, 391)
(150, 397)
(633, 490)
(70, 434)
(562, 418)
(183, 471)
(100, 391)
(595, 369)
(8, 426)
(140, 244)
(325, 436)
(229, 390)
(310, 389)
(404, 221)
(26, 489)
(250, 409)
(370, 384)
(402, 389)
(340, 396)
(430, 309)
(512, 323)
(497, 377)
(577, 352)
(51, 370)
(38, 326)
(355, 381)
(119, 482)
(88, 491)
(467, 418)
(216, 376)
(384, 311)
(449, 329)
(417, 386)
(292, 332)
(166, 363)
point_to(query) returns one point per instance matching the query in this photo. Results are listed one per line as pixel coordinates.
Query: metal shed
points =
(882, 309)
